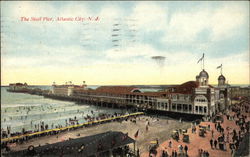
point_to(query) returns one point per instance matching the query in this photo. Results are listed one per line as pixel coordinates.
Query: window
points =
(190, 107)
(185, 107)
(205, 109)
(162, 105)
(196, 108)
(178, 107)
(173, 106)
(200, 109)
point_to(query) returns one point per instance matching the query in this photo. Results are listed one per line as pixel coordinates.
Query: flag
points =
(219, 66)
(136, 134)
(201, 58)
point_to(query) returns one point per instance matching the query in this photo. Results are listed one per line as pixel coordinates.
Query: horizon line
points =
(128, 84)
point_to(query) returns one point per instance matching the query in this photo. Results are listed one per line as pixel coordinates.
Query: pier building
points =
(18, 87)
(66, 89)
(237, 92)
(192, 97)
(196, 97)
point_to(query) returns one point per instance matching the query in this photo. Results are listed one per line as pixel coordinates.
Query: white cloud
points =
(30, 9)
(139, 50)
(149, 16)
(226, 20)
(183, 27)
(46, 56)
(235, 68)
(223, 22)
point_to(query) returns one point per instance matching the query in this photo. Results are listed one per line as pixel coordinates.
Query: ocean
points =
(20, 110)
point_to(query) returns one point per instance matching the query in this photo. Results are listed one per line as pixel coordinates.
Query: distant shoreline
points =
(144, 86)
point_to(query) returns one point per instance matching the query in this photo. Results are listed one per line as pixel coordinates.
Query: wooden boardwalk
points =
(57, 130)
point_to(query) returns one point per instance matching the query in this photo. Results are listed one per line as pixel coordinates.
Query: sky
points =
(115, 42)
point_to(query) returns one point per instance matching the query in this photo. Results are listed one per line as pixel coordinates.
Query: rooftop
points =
(88, 145)
(117, 89)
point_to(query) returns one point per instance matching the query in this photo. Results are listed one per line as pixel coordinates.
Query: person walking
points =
(166, 154)
(170, 144)
(175, 153)
(211, 143)
(215, 144)
(180, 148)
(186, 149)
(163, 154)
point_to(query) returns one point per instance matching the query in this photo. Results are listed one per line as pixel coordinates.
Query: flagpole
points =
(203, 60)
(201, 65)
(221, 70)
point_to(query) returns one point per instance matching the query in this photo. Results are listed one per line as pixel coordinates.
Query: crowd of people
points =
(229, 136)
(42, 126)
(223, 136)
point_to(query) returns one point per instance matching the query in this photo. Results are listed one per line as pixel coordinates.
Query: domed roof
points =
(203, 73)
(221, 77)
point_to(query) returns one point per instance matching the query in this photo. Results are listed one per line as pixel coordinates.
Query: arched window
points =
(200, 99)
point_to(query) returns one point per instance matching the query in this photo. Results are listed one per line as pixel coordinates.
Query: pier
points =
(142, 102)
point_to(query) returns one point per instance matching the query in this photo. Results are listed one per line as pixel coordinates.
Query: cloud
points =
(30, 9)
(184, 26)
(44, 56)
(170, 32)
(222, 22)
(149, 16)
(139, 50)
(226, 21)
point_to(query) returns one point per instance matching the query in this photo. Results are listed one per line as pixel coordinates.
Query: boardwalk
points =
(70, 127)
(159, 128)
(197, 142)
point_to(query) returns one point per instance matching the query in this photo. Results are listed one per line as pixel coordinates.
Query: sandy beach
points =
(159, 128)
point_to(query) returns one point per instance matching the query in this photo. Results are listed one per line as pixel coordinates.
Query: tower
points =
(221, 80)
(203, 78)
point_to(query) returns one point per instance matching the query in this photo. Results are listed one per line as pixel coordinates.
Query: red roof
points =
(187, 87)
(116, 89)
(157, 94)
(211, 86)
(125, 90)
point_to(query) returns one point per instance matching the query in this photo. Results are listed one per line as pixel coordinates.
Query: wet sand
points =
(160, 128)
